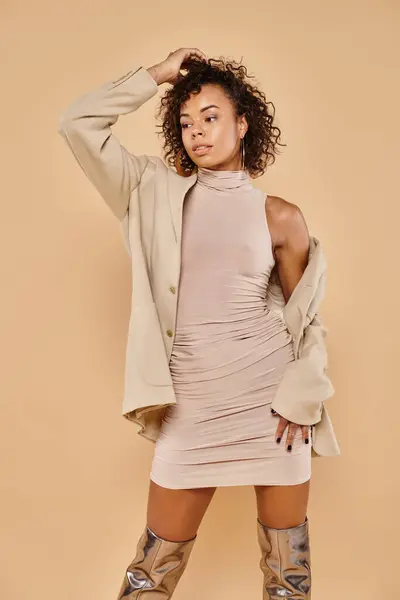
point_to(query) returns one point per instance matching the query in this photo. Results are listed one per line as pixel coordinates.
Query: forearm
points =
(103, 105)
(155, 73)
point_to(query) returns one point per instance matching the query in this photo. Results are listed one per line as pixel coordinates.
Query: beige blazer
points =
(147, 198)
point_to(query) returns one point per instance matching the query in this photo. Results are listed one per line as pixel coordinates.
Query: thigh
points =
(282, 506)
(176, 515)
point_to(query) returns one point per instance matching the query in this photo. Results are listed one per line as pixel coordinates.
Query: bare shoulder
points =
(279, 209)
(286, 223)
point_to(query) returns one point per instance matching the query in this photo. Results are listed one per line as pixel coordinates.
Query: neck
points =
(224, 180)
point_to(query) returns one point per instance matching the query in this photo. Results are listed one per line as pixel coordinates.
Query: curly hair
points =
(262, 138)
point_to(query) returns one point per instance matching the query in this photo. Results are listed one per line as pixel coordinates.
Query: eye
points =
(185, 125)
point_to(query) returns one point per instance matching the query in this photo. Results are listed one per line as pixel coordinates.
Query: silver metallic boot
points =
(285, 562)
(156, 568)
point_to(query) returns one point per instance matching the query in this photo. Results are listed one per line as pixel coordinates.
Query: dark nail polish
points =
(278, 440)
(307, 440)
(289, 447)
(273, 411)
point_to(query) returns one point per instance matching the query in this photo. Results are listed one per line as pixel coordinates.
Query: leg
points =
(282, 529)
(282, 506)
(173, 519)
(177, 514)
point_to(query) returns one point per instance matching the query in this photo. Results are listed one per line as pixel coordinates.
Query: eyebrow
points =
(201, 110)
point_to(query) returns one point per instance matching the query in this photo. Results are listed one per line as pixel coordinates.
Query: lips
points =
(201, 148)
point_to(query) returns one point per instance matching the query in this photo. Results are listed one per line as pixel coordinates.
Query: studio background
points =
(74, 472)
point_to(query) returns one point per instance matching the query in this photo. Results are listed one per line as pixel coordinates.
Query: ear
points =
(243, 125)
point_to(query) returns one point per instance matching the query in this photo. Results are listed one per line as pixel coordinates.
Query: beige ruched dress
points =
(230, 351)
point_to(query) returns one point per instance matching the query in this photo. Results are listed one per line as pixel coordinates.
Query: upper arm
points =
(86, 126)
(290, 240)
(108, 165)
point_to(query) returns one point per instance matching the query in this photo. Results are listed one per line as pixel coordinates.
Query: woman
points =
(230, 351)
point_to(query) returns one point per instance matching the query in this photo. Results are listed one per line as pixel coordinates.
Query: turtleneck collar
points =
(224, 180)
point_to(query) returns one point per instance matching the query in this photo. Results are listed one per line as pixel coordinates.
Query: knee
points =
(171, 536)
(282, 522)
(282, 507)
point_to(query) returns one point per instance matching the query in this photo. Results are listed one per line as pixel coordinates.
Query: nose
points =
(196, 131)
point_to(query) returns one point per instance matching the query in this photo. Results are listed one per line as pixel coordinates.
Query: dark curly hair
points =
(262, 137)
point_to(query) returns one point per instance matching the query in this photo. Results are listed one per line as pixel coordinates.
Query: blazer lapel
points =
(177, 188)
(308, 292)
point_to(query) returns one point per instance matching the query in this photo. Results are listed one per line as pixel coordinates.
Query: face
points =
(209, 118)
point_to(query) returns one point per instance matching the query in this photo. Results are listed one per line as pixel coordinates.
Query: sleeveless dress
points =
(230, 351)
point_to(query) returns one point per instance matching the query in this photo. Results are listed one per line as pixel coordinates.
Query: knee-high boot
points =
(156, 568)
(285, 562)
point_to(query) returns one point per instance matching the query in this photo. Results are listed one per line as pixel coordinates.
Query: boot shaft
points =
(285, 562)
(156, 568)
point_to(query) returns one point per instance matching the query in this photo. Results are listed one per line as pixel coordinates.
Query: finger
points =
(202, 54)
(305, 433)
(194, 52)
(290, 436)
(274, 413)
(280, 429)
(199, 53)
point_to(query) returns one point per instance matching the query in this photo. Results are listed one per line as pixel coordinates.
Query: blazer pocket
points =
(146, 346)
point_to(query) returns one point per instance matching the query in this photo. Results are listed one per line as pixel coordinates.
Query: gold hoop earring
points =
(242, 152)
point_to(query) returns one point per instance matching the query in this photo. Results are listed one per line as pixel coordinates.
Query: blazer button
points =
(170, 333)
(172, 289)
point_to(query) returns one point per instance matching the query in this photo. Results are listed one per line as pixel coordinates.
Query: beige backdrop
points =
(74, 472)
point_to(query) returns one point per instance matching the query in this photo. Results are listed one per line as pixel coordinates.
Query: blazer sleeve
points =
(86, 127)
(305, 384)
